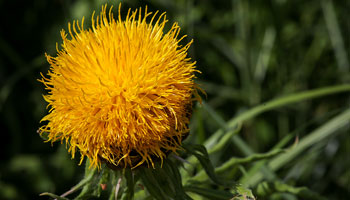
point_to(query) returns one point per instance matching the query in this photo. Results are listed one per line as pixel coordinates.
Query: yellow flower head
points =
(122, 91)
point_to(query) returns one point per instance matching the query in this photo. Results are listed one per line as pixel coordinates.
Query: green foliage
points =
(209, 193)
(202, 155)
(265, 189)
(274, 124)
(129, 192)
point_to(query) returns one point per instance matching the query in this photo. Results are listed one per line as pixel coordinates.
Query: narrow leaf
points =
(152, 184)
(174, 174)
(53, 196)
(265, 189)
(130, 185)
(332, 126)
(209, 193)
(200, 152)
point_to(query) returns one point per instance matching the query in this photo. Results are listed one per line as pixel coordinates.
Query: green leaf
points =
(234, 162)
(242, 193)
(221, 136)
(128, 194)
(221, 122)
(225, 139)
(335, 36)
(270, 105)
(255, 157)
(164, 182)
(152, 185)
(314, 137)
(92, 187)
(209, 193)
(200, 152)
(174, 175)
(265, 189)
(114, 175)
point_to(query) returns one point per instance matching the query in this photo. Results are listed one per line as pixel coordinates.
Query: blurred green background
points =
(249, 52)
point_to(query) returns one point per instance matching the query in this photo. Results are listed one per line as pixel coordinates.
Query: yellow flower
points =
(121, 92)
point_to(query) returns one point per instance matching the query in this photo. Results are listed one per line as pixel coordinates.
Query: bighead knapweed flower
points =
(120, 92)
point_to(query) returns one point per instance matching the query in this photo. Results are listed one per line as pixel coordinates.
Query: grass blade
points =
(314, 137)
(270, 105)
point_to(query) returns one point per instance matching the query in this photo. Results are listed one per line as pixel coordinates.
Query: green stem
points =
(89, 174)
